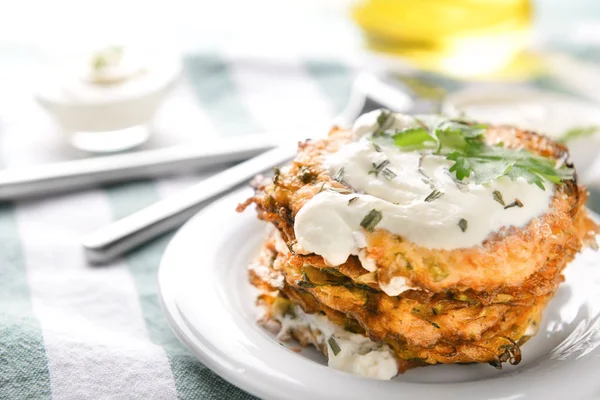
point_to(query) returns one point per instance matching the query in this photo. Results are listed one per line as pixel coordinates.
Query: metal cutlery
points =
(68, 176)
(115, 239)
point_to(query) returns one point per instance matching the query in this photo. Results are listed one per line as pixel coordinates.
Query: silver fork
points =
(368, 93)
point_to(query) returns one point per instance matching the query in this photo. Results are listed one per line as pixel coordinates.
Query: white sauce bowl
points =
(79, 106)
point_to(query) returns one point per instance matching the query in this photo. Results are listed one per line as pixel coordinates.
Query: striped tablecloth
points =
(72, 331)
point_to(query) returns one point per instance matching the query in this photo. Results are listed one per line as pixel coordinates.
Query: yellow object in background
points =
(465, 38)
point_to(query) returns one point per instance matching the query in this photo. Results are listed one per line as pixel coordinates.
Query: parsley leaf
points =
(412, 137)
(581, 131)
(463, 143)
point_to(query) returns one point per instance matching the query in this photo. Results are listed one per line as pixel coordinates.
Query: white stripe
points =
(281, 96)
(94, 333)
(96, 341)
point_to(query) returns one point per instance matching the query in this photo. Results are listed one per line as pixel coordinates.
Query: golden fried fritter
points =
(473, 304)
(420, 328)
(505, 259)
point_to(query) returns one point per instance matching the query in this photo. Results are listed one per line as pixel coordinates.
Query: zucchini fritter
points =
(475, 304)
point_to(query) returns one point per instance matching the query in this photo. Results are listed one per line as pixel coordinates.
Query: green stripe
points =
(23, 364)
(550, 83)
(334, 80)
(218, 96)
(210, 78)
(192, 379)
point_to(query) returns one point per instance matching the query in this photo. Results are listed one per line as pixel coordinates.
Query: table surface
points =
(71, 331)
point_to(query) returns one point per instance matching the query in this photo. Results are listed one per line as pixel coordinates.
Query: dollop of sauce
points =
(113, 65)
(110, 74)
(461, 215)
(356, 354)
(396, 285)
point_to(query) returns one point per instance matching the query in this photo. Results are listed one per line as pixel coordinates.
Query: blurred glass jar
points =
(462, 38)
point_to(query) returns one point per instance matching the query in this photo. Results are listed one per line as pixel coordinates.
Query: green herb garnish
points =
(462, 224)
(578, 132)
(476, 160)
(276, 173)
(516, 203)
(343, 190)
(436, 194)
(334, 346)
(352, 200)
(413, 137)
(377, 168)
(305, 284)
(371, 220)
(498, 197)
(105, 57)
(438, 273)
(305, 175)
(339, 176)
(385, 120)
(433, 323)
(388, 174)
(99, 62)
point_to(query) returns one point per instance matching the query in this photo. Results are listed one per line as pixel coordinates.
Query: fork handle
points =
(69, 176)
(117, 238)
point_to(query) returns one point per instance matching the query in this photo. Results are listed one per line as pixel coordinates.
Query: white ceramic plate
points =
(210, 306)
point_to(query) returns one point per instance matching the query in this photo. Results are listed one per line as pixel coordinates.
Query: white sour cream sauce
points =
(329, 226)
(126, 73)
(358, 354)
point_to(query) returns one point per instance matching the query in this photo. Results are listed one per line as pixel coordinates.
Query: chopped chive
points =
(321, 189)
(305, 284)
(276, 172)
(438, 273)
(516, 203)
(519, 204)
(352, 200)
(340, 190)
(339, 176)
(371, 220)
(377, 148)
(385, 120)
(436, 194)
(377, 168)
(428, 183)
(305, 175)
(422, 124)
(463, 224)
(99, 62)
(434, 324)
(498, 197)
(388, 174)
(335, 347)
